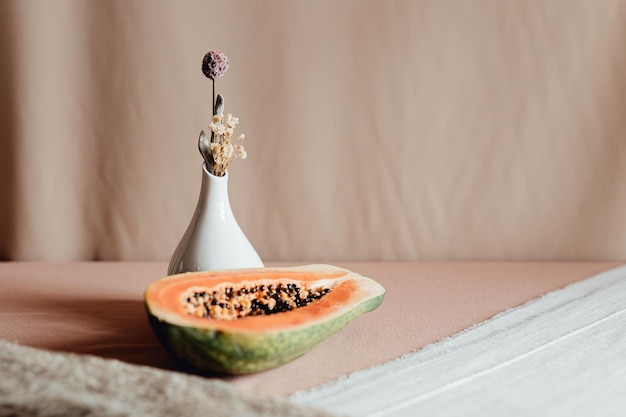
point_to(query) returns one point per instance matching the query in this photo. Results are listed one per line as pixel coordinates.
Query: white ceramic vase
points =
(213, 239)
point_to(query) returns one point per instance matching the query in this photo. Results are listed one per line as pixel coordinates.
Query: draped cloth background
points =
(376, 130)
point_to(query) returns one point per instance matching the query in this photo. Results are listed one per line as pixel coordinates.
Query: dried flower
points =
(215, 64)
(241, 152)
(231, 121)
(224, 148)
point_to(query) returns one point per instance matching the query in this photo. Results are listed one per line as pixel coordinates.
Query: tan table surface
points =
(97, 308)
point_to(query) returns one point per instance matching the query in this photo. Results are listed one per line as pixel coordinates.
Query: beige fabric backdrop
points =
(376, 130)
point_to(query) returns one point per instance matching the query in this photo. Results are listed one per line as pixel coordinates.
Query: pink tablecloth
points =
(97, 308)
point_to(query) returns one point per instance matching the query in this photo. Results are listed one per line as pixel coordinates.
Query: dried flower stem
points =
(213, 102)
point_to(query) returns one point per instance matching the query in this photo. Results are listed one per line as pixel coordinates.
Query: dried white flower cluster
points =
(223, 147)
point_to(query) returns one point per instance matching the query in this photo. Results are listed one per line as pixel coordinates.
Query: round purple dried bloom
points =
(214, 64)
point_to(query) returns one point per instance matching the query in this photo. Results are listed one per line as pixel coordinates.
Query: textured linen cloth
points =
(562, 354)
(36, 383)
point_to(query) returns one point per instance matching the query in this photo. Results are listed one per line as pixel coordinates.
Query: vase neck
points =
(214, 187)
(206, 173)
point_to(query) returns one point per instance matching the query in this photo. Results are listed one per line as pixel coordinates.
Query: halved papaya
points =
(248, 320)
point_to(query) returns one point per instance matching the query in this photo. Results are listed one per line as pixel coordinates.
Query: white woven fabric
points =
(563, 354)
